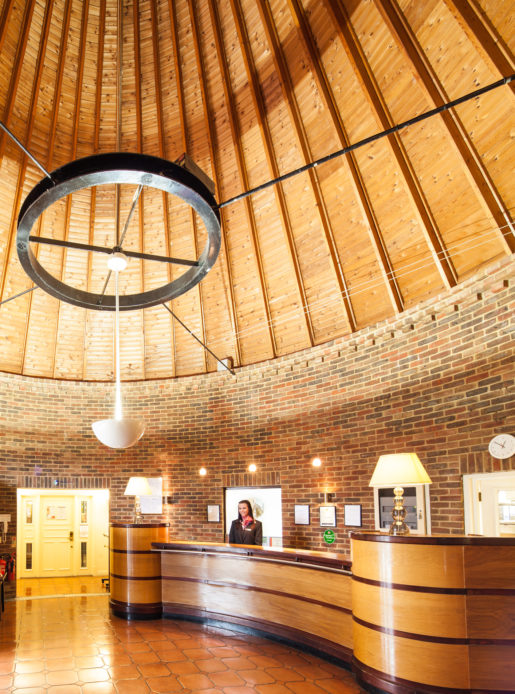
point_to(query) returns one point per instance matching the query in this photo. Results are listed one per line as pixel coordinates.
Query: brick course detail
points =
(437, 380)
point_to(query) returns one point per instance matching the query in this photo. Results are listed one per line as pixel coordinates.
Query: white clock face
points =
(502, 446)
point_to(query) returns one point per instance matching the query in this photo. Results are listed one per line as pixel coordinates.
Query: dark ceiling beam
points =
(242, 170)
(302, 138)
(486, 39)
(427, 222)
(248, 208)
(407, 41)
(208, 121)
(300, 20)
(23, 167)
(75, 134)
(96, 143)
(161, 139)
(6, 117)
(4, 21)
(139, 138)
(182, 120)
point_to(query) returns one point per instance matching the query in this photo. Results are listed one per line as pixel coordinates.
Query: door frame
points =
(473, 510)
(95, 532)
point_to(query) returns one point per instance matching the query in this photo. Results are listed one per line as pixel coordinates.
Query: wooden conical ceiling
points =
(251, 90)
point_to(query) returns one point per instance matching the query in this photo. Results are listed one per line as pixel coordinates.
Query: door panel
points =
(57, 536)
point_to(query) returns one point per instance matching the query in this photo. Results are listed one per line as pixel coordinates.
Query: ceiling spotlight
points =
(202, 472)
(252, 467)
(316, 462)
(117, 262)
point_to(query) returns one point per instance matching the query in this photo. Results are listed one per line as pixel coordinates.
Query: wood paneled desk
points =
(416, 614)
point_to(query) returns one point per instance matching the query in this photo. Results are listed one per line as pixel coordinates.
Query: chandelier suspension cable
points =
(371, 138)
(199, 341)
(118, 388)
(25, 150)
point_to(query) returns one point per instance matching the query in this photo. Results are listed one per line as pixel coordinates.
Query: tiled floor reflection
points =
(68, 585)
(72, 645)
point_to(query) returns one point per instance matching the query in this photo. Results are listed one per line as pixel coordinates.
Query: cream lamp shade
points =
(137, 486)
(400, 470)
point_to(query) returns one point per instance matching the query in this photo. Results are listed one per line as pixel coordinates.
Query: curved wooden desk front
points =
(434, 613)
(134, 570)
(300, 595)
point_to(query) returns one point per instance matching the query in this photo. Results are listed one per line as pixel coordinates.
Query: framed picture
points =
(352, 515)
(301, 514)
(213, 513)
(328, 516)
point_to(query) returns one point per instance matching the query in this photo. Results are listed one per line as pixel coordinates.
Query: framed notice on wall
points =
(328, 516)
(301, 514)
(352, 515)
(213, 513)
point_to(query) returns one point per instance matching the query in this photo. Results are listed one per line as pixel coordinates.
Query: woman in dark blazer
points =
(245, 530)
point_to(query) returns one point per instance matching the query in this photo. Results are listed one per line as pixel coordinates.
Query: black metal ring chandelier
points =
(118, 168)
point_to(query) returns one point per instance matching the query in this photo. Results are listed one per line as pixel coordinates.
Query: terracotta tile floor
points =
(72, 645)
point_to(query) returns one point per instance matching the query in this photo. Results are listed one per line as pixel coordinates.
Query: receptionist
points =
(245, 530)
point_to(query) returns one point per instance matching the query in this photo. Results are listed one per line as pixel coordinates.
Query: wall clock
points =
(502, 446)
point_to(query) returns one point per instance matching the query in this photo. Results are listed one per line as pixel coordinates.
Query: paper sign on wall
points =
(154, 502)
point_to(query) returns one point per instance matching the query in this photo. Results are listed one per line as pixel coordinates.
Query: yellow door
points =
(62, 533)
(57, 536)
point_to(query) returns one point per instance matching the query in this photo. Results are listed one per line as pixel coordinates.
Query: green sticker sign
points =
(329, 537)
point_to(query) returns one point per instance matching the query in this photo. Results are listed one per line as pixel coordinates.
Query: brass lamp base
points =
(138, 517)
(398, 527)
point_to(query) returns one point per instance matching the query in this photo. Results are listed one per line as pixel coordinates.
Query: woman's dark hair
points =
(249, 506)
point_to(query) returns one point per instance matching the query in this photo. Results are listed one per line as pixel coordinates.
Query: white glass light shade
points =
(117, 262)
(399, 469)
(118, 433)
(137, 486)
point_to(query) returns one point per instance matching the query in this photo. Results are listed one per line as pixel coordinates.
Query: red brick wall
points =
(438, 380)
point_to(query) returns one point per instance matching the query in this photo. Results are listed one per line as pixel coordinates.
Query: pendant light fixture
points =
(119, 432)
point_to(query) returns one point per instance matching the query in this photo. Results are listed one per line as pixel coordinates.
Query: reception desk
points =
(434, 613)
(302, 596)
(415, 614)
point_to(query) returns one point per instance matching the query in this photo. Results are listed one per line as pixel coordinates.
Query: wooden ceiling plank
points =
(4, 21)
(59, 82)
(244, 179)
(96, 138)
(161, 142)
(291, 102)
(266, 138)
(426, 219)
(75, 135)
(302, 24)
(139, 138)
(182, 119)
(200, 70)
(485, 37)
(240, 159)
(394, 17)
(15, 74)
(30, 126)
(209, 128)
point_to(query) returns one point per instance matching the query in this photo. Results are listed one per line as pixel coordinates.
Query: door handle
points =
(71, 535)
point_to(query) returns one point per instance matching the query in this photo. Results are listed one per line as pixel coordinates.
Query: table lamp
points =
(401, 470)
(136, 487)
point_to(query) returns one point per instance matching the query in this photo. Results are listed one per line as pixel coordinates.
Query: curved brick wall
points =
(438, 380)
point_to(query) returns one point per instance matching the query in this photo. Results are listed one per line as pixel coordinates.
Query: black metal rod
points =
(199, 341)
(25, 291)
(108, 251)
(24, 149)
(371, 138)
